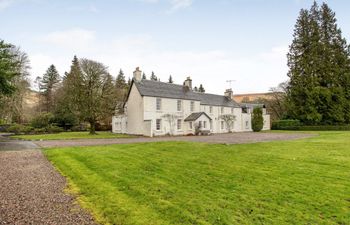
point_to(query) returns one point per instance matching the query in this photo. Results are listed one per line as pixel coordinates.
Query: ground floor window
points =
(190, 125)
(179, 124)
(158, 124)
(222, 125)
(211, 125)
(200, 124)
(204, 124)
(247, 124)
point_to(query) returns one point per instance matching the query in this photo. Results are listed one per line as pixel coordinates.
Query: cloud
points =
(77, 38)
(256, 73)
(180, 4)
(6, 3)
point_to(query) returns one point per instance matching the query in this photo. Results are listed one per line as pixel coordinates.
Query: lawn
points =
(289, 182)
(70, 135)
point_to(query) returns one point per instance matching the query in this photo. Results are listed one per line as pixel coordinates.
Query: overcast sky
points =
(210, 40)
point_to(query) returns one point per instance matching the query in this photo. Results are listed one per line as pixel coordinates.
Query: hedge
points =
(296, 125)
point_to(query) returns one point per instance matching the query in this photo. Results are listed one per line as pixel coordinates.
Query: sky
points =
(212, 41)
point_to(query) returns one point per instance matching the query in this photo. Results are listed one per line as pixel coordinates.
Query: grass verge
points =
(70, 136)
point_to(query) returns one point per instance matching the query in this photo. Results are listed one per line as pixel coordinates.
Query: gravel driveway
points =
(32, 192)
(232, 138)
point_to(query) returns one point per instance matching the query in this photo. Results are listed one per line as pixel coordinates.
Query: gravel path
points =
(232, 138)
(31, 192)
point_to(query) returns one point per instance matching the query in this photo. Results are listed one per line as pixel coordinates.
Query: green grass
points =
(70, 135)
(289, 182)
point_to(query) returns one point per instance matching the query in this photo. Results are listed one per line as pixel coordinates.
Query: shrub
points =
(296, 125)
(286, 125)
(42, 120)
(54, 129)
(19, 129)
(257, 120)
(39, 131)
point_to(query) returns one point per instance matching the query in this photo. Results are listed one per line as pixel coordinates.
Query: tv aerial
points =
(230, 82)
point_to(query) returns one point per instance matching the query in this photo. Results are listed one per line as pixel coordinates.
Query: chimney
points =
(137, 74)
(229, 93)
(188, 83)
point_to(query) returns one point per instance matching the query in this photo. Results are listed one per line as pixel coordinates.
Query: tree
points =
(257, 120)
(144, 76)
(9, 68)
(12, 103)
(277, 105)
(319, 69)
(229, 120)
(153, 77)
(170, 81)
(120, 82)
(48, 86)
(201, 89)
(121, 89)
(195, 89)
(98, 89)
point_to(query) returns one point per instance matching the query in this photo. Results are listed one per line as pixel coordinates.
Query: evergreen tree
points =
(318, 61)
(257, 120)
(170, 80)
(144, 76)
(201, 88)
(70, 97)
(48, 86)
(153, 77)
(120, 82)
(8, 68)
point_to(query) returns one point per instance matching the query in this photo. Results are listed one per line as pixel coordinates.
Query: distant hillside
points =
(252, 97)
(30, 103)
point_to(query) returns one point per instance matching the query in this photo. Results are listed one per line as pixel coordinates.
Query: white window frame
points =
(179, 105)
(192, 106)
(179, 124)
(222, 110)
(200, 124)
(211, 124)
(205, 124)
(158, 124)
(158, 104)
(222, 125)
(191, 125)
(210, 109)
(232, 110)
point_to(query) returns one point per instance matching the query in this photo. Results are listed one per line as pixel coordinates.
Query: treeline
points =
(87, 93)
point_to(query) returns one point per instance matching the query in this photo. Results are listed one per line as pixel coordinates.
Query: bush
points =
(42, 120)
(286, 125)
(39, 131)
(19, 129)
(296, 125)
(54, 129)
(257, 120)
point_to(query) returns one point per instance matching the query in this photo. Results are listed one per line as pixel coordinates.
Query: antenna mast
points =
(230, 82)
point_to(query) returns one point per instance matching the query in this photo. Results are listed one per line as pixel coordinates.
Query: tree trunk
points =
(92, 127)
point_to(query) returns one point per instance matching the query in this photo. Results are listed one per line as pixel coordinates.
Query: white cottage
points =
(154, 108)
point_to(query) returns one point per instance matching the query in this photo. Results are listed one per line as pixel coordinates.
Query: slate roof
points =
(176, 91)
(195, 116)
